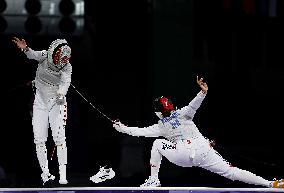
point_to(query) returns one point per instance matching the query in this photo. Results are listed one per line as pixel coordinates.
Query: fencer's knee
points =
(40, 147)
(39, 142)
(59, 140)
(157, 143)
(60, 143)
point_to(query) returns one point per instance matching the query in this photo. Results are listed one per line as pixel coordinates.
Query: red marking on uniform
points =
(52, 153)
(188, 141)
(153, 165)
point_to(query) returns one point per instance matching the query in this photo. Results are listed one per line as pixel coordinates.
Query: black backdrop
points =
(133, 51)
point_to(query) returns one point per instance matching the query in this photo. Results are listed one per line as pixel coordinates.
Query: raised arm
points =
(31, 54)
(192, 107)
(151, 131)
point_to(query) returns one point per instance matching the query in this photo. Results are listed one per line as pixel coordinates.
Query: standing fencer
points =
(53, 78)
(184, 145)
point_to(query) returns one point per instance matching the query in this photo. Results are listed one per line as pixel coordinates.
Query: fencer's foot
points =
(46, 177)
(278, 184)
(63, 181)
(152, 181)
(103, 175)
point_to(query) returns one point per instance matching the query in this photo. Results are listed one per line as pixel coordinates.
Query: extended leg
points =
(215, 163)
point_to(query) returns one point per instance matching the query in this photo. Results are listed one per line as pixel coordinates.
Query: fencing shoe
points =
(278, 184)
(152, 181)
(47, 177)
(102, 175)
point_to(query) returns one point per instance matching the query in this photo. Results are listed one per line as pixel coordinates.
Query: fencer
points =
(184, 145)
(52, 80)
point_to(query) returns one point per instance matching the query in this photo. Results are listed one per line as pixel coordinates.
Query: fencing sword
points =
(92, 104)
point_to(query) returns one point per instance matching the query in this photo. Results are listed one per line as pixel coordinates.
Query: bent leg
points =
(175, 153)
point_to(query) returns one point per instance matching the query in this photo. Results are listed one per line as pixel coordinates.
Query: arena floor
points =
(138, 190)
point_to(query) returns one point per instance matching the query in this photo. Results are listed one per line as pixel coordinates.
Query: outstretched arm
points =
(192, 107)
(151, 131)
(31, 54)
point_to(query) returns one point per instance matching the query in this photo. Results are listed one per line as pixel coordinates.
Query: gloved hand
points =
(119, 126)
(60, 99)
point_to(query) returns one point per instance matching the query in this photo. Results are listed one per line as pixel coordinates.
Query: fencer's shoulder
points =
(177, 111)
(180, 112)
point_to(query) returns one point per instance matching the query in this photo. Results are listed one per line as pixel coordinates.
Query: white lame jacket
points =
(48, 81)
(178, 126)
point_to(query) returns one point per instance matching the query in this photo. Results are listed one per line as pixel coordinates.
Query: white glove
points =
(119, 126)
(60, 99)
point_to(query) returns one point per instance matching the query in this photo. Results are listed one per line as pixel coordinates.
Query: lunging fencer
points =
(184, 144)
(52, 80)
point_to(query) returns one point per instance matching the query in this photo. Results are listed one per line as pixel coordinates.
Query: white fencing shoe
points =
(102, 175)
(151, 182)
(47, 177)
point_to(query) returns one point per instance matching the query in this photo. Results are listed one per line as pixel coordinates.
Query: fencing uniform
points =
(50, 107)
(185, 146)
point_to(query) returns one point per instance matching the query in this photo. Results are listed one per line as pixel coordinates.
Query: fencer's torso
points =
(48, 81)
(178, 127)
(45, 75)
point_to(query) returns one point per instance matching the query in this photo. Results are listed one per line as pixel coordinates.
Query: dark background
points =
(128, 53)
